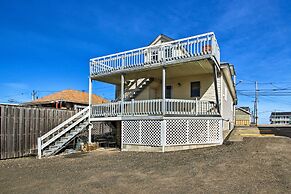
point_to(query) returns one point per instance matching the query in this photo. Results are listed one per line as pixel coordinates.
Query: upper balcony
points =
(167, 53)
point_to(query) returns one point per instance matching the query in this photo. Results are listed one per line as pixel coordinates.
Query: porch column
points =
(216, 88)
(90, 109)
(122, 93)
(164, 91)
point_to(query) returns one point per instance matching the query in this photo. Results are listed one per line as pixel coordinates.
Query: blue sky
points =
(46, 45)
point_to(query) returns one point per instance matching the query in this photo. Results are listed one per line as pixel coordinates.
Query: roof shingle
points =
(74, 96)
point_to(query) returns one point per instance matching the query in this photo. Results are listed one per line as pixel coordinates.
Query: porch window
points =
(195, 89)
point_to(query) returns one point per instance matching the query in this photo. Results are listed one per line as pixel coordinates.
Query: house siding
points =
(242, 118)
(182, 90)
(227, 105)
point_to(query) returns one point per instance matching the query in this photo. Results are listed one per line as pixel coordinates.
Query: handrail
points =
(152, 46)
(63, 124)
(168, 51)
(154, 107)
(64, 131)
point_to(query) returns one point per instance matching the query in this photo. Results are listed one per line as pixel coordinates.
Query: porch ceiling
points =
(176, 70)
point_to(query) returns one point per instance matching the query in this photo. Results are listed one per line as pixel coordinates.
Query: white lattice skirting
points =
(172, 132)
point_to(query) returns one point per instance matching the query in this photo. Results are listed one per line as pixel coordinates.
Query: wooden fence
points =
(20, 127)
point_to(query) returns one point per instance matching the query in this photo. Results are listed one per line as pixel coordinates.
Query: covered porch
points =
(168, 94)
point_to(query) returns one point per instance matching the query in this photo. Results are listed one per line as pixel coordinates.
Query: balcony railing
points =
(168, 52)
(155, 107)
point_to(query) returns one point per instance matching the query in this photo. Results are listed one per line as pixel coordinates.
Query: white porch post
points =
(122, 94)
(163, 135)
(164, 91)
(39, 147)
(90, 109)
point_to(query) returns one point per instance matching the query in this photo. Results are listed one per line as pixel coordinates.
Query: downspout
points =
(216, 88)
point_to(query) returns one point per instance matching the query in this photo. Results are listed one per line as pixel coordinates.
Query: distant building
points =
(242, 116)
(280, 118)
(66, 99)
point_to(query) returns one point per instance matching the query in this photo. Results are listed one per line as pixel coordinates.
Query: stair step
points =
(74, 131)
(65, 138)
(70, 135)
(47, 152)
(60, 142)
(52, 147)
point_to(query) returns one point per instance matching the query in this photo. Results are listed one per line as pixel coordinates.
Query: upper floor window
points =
(154, 55)
(195, 89)
(168, 52)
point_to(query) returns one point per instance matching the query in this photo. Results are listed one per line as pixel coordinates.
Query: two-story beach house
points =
(170, 95)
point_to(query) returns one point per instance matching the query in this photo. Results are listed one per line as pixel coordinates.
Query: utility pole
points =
(33, 95)
(256, 103)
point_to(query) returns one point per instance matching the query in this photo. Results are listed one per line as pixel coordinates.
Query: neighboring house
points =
(171, 95)
(280, 118)
(242, 116)
(66, 99)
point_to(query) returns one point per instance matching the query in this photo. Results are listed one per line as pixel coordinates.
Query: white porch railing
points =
(168, 52)
(155, 107)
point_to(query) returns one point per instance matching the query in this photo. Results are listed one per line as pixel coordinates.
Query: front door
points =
(169, 92)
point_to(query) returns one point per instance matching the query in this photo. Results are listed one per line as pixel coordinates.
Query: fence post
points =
(39, 147)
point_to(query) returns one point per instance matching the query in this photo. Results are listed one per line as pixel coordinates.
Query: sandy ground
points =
(256, 165)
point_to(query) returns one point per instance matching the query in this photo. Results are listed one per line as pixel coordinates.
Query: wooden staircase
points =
(58, 138)
(135, 87)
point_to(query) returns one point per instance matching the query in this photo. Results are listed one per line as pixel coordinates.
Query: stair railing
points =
(42, 141)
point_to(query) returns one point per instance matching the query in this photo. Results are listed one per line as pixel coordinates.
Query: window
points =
(154, 56)
(168, 92)
(168, 52)
(195, 89)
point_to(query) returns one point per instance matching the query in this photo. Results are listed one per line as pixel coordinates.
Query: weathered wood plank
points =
(21, 132)
(20, 127)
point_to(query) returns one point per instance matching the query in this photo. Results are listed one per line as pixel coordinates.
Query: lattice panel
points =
(142, 132)
(150, 132)
(214, 134)
(176, 132)
(192, 131)
(130, 132)
(198, 133)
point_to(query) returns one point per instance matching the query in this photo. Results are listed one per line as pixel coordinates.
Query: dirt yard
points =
(257, 165)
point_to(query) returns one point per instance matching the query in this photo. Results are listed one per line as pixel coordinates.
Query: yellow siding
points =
(181, 88)
(242, 123)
